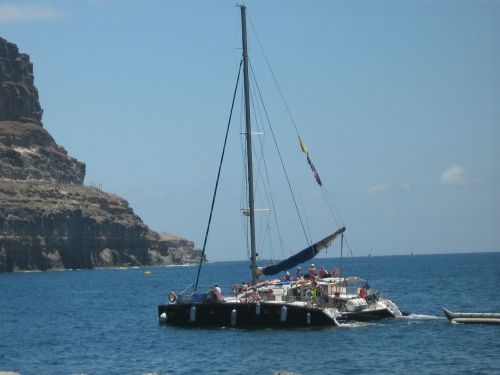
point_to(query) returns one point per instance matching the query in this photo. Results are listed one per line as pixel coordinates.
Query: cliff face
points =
(18, 95)
(28, 152)
(48, 218)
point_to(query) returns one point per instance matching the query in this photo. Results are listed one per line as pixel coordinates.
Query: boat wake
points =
(418, 317)
(354, 324)
(183, 265)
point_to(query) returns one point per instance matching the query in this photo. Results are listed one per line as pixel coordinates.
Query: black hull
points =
(367, 315)
(243, 315)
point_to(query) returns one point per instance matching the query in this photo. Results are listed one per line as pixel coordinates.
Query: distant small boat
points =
(472, 318)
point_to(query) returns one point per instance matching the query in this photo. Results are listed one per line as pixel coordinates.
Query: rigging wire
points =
(244, 179)
(258, 154)
(244, 189)
(267, 182)
(274, 77)
(305, 215)
(341, 254)
(333, 210)
(280, 157)
(330, 205)
(217, 180)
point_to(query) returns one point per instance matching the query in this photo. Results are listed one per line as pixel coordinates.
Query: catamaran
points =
(307, 301)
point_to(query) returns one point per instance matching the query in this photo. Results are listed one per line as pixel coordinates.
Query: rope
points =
(218, 177)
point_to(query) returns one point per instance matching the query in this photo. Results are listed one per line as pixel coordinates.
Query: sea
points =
(105, 321)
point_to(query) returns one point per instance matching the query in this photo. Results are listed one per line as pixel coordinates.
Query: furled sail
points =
(301, 257)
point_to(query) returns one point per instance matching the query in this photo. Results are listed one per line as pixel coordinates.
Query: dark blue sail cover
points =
(300, 257)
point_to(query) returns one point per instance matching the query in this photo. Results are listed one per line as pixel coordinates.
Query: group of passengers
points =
(251, 293)
(247, 293)
(310, 281)
(313, 272)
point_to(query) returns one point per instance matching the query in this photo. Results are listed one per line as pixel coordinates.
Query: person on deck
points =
(335, 272)
(298, 273)
(288, 276)
(362, 292)
(316, 292)
(255, 296)
(323, 272)
(217, 292)
(312, 271)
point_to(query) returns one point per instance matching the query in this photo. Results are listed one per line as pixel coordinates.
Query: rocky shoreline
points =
(49, 220)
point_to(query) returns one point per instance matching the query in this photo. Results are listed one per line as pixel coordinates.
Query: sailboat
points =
(275, 303)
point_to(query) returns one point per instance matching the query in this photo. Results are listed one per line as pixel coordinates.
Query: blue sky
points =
(398, 102)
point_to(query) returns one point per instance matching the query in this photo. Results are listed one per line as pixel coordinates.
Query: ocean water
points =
(105, 322)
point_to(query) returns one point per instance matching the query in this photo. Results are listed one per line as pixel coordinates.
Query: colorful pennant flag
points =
(304, 149)
(314, 171)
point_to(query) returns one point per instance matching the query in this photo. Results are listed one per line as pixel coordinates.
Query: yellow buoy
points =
(147, 273)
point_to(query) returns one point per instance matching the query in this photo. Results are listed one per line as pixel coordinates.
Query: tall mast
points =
(253, 256)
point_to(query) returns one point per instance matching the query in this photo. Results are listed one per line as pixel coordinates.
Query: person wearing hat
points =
(312, 271)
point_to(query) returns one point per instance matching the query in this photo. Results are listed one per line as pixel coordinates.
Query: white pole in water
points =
(233, 317)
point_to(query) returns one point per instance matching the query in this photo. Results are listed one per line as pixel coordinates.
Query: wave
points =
(422, 317)
(354, 324)
(182, 265)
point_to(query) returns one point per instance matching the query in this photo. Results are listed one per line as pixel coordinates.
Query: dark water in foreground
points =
(104, 322)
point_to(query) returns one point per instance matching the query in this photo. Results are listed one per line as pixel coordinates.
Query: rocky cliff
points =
(18, 94)
(48, 218)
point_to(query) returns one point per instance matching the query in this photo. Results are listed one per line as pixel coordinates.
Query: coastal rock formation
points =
(18, 94)
(28, 152)
(55, 226)
(177, 249)
(48, 218)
